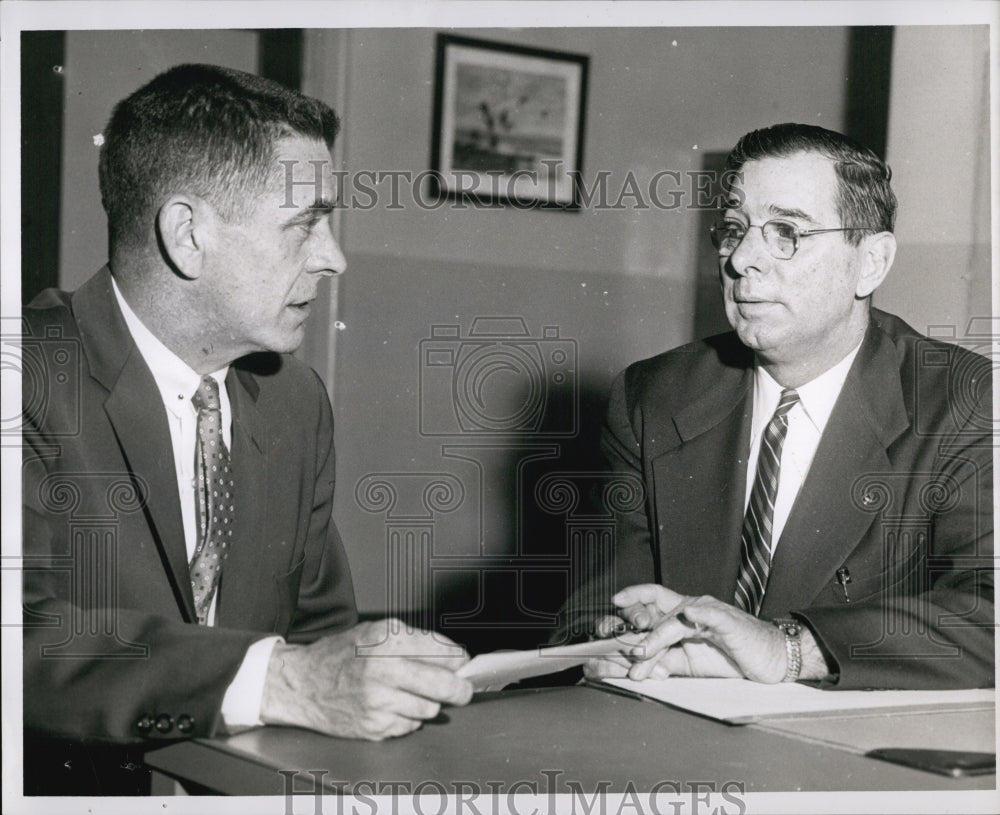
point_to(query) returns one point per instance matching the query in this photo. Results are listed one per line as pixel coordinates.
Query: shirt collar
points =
(816, 397)
(175, 379)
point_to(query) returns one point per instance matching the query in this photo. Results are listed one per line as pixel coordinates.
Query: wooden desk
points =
(561, 740)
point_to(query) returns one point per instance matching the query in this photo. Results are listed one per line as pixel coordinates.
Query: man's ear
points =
(180, 231)
(879, 252)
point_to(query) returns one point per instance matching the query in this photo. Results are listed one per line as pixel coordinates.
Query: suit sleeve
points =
(96, 672)
(326, 602)
(930, 621)
(632, 561)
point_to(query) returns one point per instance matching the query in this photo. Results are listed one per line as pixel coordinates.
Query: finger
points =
(655, 668)
(714, 615)
(668, 632)
(660, 671)
(427, 646)
(382, 724)
(651, 594)
(608, 626)
(642, 670)
(402, 704)
(442, 650)
(427, 680)
(605, 668)
(401, 725)
(642, 616)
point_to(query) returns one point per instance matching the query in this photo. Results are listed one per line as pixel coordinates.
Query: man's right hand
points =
(368, 682)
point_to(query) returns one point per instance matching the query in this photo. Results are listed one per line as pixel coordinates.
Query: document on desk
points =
(740, 701)
(495, 670)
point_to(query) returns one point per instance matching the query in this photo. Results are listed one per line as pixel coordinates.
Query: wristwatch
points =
(793, 647)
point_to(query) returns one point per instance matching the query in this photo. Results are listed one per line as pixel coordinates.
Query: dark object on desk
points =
(955, 763)
(58, 767)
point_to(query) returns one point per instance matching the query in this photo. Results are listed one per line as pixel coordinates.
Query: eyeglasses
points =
(780, 237)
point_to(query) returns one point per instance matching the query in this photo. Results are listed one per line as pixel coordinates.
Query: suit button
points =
(144, 725)
(185, 723)
(164, 723)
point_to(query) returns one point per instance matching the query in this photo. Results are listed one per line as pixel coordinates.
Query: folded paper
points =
(498, 669)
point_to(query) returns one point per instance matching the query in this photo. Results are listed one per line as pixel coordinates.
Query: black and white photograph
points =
(574, 408)
(510, 120)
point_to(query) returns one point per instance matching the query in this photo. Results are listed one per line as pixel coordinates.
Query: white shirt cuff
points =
(241, 704)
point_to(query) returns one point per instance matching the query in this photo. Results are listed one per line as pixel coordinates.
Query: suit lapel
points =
(244, 572)
(826, 523)
(699, 487)
(142, 432)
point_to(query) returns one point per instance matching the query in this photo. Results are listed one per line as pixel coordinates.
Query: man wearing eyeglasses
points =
(819, 481)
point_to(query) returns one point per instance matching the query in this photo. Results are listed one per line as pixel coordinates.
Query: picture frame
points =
(508, 124)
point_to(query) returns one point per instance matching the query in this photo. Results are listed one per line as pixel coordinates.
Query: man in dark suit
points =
(819, 481)
(183, 576)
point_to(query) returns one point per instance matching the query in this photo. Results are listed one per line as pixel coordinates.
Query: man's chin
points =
(285, 342)
(750, 334)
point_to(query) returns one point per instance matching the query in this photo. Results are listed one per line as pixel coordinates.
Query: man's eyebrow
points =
(791, 213)
(324, 204)
(318, 208)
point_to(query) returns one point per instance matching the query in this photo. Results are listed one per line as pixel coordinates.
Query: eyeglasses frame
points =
(799, 233)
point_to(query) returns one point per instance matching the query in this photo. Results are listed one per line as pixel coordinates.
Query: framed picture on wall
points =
(508, 124)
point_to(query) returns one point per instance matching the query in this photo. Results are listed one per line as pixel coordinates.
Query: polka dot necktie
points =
(755, 550)
(215, 498)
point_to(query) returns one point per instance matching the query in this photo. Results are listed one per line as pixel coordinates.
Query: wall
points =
(939, 150)
(619, 284)
(103, 67)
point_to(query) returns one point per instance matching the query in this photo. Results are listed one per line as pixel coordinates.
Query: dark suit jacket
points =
(899, 494)
(112, 651)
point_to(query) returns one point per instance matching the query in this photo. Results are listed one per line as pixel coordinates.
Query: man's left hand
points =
(701, 636)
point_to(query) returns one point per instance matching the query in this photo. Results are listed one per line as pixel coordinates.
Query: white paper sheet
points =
(500, 668)
(740, 701)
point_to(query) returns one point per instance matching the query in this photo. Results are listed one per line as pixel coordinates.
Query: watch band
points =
(793, 647)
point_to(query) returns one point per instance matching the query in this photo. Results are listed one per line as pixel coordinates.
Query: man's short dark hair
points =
(202, 130)
(864, 197)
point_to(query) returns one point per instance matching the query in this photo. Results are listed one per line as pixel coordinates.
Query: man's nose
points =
(750, 253)
(327, 257)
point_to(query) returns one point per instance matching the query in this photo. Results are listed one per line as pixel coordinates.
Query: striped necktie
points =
(755, 551)
(215, 498)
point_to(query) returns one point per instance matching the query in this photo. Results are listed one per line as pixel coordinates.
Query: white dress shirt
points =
(177, 383)
(806, 422)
